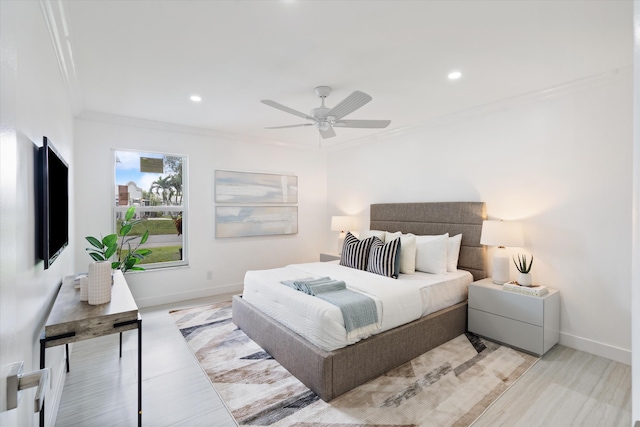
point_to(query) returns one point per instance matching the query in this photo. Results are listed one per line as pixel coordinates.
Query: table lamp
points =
(341, 224)
(501, 234)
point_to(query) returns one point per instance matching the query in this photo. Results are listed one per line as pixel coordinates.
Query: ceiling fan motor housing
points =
(320, 112)
(323, 91)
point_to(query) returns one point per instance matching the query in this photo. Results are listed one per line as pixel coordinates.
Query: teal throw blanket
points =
(358, 310)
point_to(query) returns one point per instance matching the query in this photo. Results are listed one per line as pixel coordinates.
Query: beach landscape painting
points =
(253, 188)
(244, 221)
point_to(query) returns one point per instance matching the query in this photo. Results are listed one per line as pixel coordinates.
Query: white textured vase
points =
(99, 282)
(524, 279)
(84, 288)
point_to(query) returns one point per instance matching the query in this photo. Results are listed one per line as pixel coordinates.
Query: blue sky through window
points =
(128, 169)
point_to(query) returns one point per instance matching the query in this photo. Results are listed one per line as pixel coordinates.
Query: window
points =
(156, 184)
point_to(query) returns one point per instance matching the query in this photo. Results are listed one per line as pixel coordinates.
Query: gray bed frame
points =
(332, 373)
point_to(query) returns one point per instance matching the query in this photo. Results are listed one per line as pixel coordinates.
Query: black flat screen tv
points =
(53, 203)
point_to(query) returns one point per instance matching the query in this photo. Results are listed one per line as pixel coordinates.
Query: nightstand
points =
(527, 322)
(329, 257)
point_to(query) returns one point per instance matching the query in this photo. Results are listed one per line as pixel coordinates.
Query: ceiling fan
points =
(325, 118)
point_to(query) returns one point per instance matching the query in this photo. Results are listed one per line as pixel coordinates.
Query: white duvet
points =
(398, 301)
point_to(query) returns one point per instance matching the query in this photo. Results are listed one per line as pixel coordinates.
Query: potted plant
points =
(524, 270)
(128, 258)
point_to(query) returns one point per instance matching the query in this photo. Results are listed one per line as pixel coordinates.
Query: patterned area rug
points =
(450, 385)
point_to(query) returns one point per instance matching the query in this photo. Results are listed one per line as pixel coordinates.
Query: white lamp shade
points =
(341, 223)
(501, 233)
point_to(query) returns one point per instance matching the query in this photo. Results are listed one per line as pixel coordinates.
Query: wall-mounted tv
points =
(53, 203)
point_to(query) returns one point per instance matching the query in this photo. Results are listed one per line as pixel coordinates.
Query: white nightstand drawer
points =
(525, 308)
(522, 335)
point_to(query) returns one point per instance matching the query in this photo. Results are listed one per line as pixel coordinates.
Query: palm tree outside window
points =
(156, 184)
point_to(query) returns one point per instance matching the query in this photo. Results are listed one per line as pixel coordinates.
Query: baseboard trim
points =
(185, 296)
(594, 347)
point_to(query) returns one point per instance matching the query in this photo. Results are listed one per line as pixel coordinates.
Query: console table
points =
(73, 320)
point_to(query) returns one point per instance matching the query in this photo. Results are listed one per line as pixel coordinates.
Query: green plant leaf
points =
(115, 265)
(130, 262)
(521, 264)
(130, 212)
(94, 242)
(110, 251)
(145, 236)
(129, 239)
(136, 269)
(144, 252)
(110, 240)
(137, 221)
(125, 229)
(96, 256)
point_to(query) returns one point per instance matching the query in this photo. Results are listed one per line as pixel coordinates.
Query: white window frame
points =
(139, 209)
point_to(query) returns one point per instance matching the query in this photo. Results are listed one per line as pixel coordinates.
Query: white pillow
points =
(453, 252)
(407, 250)
(431, 253)
(374, 233)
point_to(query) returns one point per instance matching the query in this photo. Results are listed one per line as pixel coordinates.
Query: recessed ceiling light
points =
(454, 75)
(195, 98)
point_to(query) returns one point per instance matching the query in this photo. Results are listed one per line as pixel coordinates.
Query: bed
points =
(330, 373)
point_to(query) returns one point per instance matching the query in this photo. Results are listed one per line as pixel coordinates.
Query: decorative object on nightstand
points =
(524, 270)
(341, 224)
(537, 290)
(501, 234)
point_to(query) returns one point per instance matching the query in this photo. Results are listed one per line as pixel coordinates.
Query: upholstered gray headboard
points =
(438, 218)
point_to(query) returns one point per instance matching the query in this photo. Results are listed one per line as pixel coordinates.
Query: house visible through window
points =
(155, 183)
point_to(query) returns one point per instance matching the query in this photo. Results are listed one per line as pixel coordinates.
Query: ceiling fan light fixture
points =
(323, 125)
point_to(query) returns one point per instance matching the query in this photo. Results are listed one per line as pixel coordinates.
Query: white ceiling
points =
(143, 59)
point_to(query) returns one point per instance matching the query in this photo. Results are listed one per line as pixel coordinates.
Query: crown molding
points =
(55, 17)
(118, 120)
(492, 107)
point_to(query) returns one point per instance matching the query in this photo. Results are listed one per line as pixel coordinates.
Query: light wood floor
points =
(565, 388)
(101, 389)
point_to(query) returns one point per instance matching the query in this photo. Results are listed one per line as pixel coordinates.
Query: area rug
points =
(451, 385)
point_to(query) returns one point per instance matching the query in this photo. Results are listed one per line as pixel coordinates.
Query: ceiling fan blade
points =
(348, 105)
(378, 124)
(327, 133)
(286, 109)
(289, 126)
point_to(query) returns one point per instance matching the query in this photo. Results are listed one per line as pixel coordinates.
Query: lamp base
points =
(500, 266)
(341, 241)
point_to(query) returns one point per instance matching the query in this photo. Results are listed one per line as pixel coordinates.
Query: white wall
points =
(228, 259)
(34, 104)
(562, 166)
(635, 302)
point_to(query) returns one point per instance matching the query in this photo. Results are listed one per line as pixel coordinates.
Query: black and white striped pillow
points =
(355, 252)
(384, 258)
